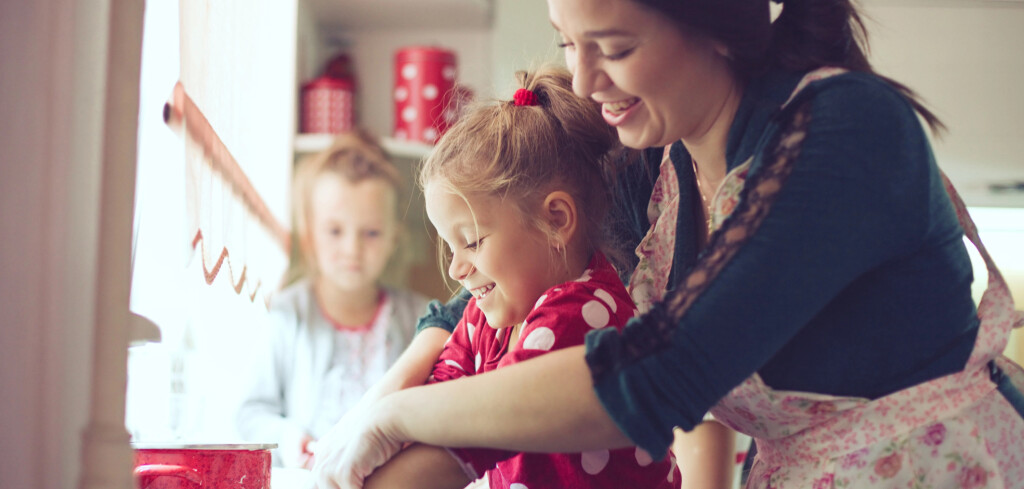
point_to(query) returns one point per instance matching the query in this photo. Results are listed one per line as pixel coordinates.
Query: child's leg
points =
(419, 467)
(705, 456)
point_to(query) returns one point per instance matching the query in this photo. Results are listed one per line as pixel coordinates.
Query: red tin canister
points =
(328, 105)
(424, 83)
(184, 466)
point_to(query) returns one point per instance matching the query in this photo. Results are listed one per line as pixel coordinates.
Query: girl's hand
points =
(359, 449)
(294, 448)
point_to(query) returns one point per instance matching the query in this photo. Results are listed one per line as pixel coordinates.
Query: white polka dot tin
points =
(424, 93)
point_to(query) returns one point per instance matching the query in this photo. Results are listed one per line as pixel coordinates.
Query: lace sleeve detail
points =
(652, 331)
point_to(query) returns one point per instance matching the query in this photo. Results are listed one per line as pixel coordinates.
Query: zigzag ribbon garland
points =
(211, 274)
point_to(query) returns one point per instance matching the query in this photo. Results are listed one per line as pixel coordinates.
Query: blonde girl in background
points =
(337, 329)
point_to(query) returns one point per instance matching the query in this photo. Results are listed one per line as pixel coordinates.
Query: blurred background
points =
(116, 320)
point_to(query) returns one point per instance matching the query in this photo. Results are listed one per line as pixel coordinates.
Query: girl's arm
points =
(411, 369)
(550, 398)
(419, 467)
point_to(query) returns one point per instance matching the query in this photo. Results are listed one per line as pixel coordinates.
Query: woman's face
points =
(656, 83)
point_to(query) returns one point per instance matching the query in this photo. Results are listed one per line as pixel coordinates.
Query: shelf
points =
(311, 143)
(375, 14)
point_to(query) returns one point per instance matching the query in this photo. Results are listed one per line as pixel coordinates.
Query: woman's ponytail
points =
(814, 33)
(807, 34)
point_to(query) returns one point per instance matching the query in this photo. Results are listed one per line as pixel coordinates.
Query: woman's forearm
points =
(546, 404)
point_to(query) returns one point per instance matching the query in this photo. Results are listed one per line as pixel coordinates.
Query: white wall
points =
(963, 57)
(522, 38)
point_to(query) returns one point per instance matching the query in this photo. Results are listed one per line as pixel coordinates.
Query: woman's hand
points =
(356, 449)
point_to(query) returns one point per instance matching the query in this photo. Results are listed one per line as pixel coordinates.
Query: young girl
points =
(516, 193)
(336, 330)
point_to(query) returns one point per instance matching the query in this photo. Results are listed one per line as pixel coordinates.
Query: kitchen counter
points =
(282, 478)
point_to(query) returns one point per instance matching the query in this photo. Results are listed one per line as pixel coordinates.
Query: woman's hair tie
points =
(525, 97)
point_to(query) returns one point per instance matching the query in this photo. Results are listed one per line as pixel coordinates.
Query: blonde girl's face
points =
(505, 263)
(354, 230)
(655, 83)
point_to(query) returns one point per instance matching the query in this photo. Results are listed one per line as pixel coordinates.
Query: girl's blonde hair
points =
(354, 156)
(523, 152)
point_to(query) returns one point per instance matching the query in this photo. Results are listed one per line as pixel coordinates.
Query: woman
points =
(824, 307)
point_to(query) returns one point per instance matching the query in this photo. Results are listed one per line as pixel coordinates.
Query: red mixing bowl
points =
(181, 466)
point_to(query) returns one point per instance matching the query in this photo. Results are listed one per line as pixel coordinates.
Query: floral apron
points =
(961, 430)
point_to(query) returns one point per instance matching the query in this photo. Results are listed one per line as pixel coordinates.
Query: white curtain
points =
(216, 125)
(237, 67)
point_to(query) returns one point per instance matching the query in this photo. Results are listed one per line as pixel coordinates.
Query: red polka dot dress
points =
(563, 315)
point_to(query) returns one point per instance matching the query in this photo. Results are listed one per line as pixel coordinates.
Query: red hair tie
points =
(524, 97)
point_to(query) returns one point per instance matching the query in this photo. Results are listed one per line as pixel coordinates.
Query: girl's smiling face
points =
(656, 83)
(504, 262)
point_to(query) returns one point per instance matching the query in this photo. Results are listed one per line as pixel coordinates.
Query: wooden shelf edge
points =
(311, 143)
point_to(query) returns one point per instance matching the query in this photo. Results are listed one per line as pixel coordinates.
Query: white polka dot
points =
(455, 364)
(478, 362)
(595, 314)
(642, 457)
(539, 339)
(540, 301)
(471, 329)
(585, 277)
(409, 71)
(607, 298)
(558, 289)
(594, 462)
(401, 93)
(429, 134)
(448, 72)
(409, 114)
(430, 91)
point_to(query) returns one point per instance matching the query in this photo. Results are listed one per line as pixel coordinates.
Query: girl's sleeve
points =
(457, 358)
(851, 200)
(444, 316)
(559, 321)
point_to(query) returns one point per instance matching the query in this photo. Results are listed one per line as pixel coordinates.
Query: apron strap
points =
(971, 231)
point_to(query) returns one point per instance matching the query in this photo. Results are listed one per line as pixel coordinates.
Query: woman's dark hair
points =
(808, 34)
